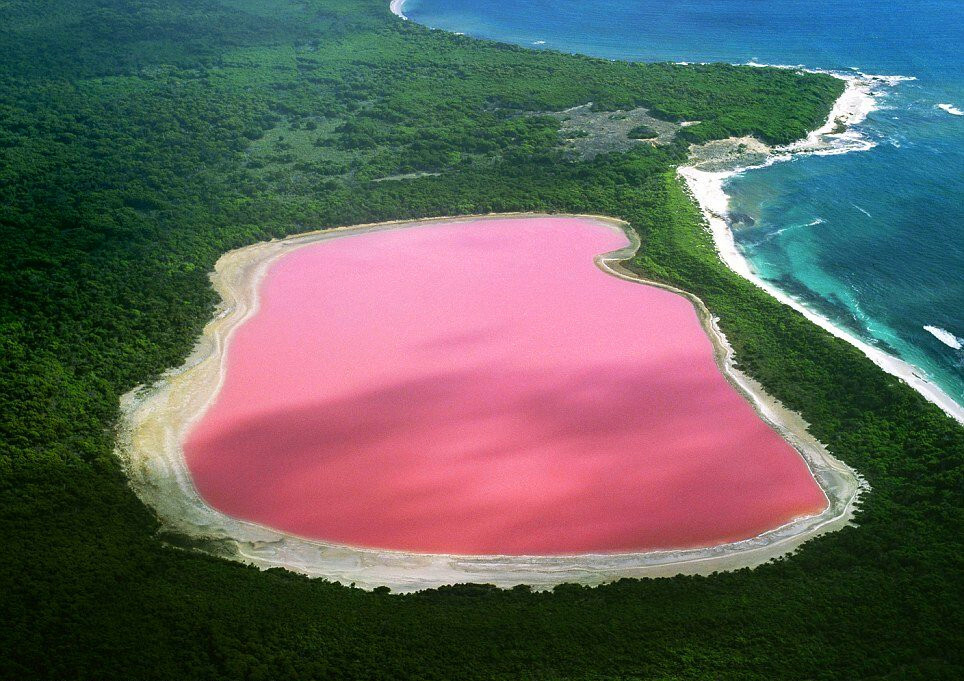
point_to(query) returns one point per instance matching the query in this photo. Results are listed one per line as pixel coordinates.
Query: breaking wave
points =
(944, 336)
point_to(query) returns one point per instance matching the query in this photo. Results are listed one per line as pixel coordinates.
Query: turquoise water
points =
(872, 240)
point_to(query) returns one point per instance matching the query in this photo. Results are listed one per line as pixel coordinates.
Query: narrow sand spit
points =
(156, 421)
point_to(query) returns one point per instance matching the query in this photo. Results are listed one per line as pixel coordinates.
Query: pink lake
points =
(484, 388)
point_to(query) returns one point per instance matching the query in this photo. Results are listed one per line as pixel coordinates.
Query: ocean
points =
(872, 240)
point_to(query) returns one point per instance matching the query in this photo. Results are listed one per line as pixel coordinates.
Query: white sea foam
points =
(854, 105)
(951, 109)
(754, 62)
(861, 209)
(397, 8)
(860, 98)
(851, 108)
(944, 336)
(538, 42)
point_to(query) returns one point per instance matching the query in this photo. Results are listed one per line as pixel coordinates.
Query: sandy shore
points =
(156, 420)
(705, 180)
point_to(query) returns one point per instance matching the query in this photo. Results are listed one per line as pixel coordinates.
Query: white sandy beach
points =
(707, 188)
(156, 420)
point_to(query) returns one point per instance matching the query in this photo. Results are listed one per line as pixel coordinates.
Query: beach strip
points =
(708, 190)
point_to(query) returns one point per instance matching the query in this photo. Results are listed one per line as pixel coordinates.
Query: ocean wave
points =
(890, 80)
(761, 65)
(951, 109)
(538, 42)
(801, 225)
(851, 72)
(944, 336)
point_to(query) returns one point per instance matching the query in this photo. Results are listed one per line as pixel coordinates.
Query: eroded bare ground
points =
(587, 133)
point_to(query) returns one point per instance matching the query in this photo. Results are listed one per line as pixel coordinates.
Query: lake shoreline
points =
(156, 420)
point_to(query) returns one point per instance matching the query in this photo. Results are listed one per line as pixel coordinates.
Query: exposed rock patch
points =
(728, 154)
(589, 133)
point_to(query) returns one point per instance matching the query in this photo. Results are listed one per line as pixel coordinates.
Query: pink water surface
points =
(484, 388)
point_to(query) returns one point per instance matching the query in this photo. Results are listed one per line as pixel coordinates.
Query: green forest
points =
(141, 139)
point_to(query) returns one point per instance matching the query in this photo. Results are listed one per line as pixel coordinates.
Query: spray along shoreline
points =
(837, 136)
(156, 420)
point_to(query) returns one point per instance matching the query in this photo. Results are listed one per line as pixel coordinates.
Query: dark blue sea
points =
(872, 240)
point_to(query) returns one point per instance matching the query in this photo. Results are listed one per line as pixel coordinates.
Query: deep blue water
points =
(873, 240)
